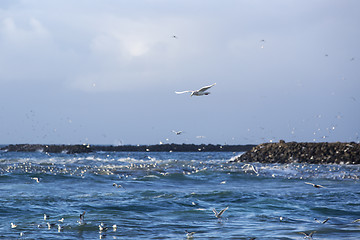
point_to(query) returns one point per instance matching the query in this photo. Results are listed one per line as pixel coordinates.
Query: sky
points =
(106, 72)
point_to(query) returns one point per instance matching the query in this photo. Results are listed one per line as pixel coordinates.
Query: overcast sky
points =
(105, 72)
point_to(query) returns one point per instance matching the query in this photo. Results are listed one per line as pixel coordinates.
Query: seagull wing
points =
(309, 183)
(222, 211)
(183, 92)
(215, 212)
(203, 89)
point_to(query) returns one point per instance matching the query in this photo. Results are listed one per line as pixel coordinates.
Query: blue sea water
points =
(164, 194)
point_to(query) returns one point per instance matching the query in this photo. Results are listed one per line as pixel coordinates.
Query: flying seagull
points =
(308, 235)
(200, 92)
(177, 132)
(315, 185)
(218, 214)
(323, 222)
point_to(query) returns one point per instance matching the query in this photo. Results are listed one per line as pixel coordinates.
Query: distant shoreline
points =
(87, 148)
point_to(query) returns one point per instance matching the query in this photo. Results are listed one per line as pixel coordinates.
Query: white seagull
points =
(218, 214)
(200, 92)
(177, 132)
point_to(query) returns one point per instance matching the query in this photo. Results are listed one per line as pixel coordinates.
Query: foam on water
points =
(164, 194)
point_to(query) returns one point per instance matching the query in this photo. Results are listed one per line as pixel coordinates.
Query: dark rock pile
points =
(316, 153)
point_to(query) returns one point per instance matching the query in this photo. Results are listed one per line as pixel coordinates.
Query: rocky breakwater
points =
(294, 152)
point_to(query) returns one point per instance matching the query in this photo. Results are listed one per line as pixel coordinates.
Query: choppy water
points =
(165, 194)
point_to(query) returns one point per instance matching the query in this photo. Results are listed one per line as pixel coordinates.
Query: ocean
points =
(161, 195)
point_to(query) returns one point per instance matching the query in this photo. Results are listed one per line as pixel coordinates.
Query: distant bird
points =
(323, 222)
(82, 218)
(114, 227)
(46, 216)
(102, 227)
(60, 228)
(308, 235)
(200, 92)
(49, 225)
(13, 225)
(252, 167)
(118, 185)
(315, 185)
(218, 214)
(174, 36)
(357, 220)
(61, 220)
(189, 234)
(177, 132)
(36, 179)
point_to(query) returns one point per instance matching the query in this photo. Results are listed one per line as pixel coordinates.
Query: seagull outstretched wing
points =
(203, 89)
(183, 92)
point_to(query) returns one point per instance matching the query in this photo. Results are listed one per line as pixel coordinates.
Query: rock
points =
(316, 153)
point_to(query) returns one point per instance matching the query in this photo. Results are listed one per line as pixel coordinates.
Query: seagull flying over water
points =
(323, 222)
(218, 214)
(315, 185)
(200, 92)
(36, 179)
(308, 235)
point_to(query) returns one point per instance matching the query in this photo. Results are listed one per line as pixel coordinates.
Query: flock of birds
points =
(189, 235)
(102, 227)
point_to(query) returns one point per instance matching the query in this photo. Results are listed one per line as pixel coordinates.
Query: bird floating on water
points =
(218, 214)
(189, 234)
(118, 185)
(13, 225)
(82, 218)
(102, 227)
(200, 92)
(315, 185)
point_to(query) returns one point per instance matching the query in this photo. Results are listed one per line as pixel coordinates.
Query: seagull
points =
(102, 227)
(189, 234)
(177, 132)
(218, 214)
(36, 179)
(357, 220)
(118, 185)
(82, 220)
(252, 167)
(46, 216)
(308, 236)
(61, 220)
(200, 92)
(60, 228)
(323, 222)
(315, 185)
(114, 227)
(13, 225)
